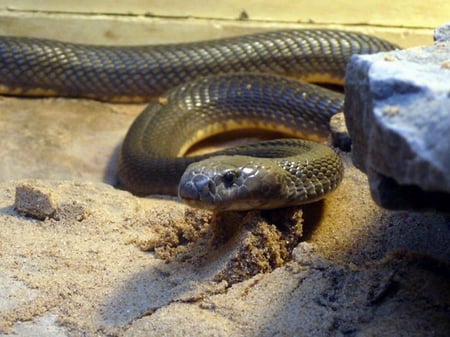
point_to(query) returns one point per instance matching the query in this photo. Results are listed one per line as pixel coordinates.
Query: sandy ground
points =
(105, 263)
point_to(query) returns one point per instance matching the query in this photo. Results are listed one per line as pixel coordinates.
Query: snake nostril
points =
(203, 185)
(211, 187)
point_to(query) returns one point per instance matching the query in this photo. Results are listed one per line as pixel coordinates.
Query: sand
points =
(81, 258)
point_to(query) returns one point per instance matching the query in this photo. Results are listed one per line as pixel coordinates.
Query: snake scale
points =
(205, 88)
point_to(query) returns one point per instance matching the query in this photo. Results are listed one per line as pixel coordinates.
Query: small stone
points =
(35, 202)
(340, 137)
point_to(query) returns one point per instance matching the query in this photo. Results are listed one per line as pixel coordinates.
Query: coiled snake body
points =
(263, 175)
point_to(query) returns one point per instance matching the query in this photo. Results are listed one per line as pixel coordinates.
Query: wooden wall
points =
(407, 23)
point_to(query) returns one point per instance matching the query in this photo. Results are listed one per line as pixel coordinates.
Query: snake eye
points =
(229, 178)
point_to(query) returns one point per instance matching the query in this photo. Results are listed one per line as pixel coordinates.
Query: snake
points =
(200, 89)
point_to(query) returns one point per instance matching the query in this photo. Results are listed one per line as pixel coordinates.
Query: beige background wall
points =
(156, 21)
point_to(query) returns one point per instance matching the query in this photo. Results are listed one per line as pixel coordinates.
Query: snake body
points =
(228, 102)
(150, 159)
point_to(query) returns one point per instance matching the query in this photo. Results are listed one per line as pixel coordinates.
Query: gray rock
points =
(397, 111)
(442, 33)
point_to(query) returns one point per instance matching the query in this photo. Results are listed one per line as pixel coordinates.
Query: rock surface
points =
(397, 111)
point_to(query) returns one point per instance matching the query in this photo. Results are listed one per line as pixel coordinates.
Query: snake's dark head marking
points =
(224, 183)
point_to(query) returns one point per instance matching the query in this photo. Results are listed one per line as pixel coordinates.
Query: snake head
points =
(225, 183)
